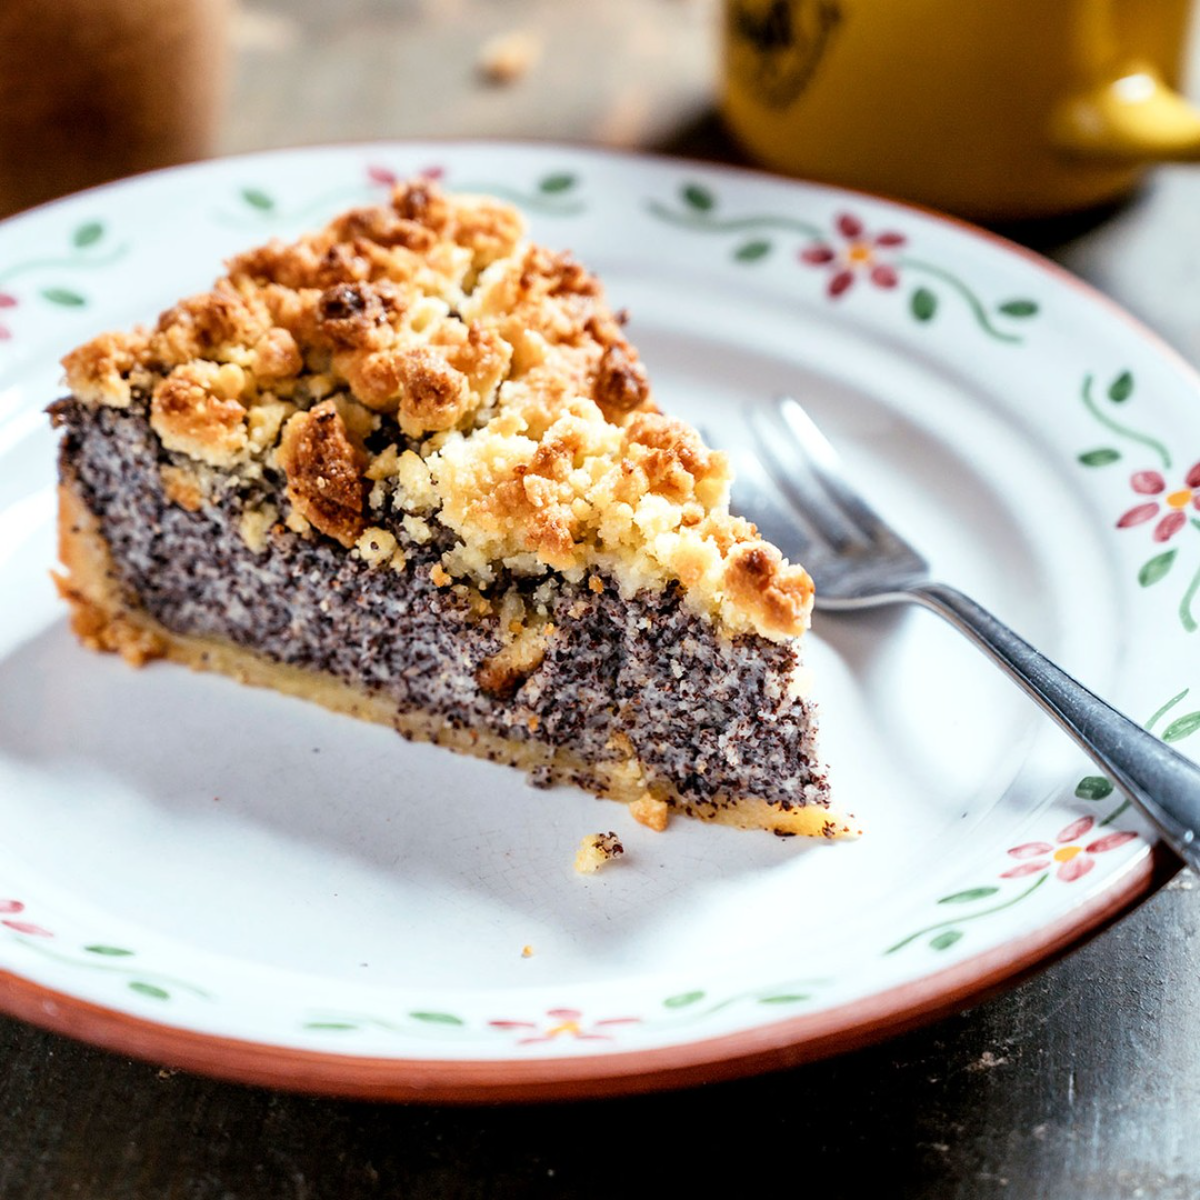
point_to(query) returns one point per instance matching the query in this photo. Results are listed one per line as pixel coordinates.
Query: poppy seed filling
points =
(617, 675)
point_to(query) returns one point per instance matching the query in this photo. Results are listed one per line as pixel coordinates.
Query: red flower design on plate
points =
(6, 301)
(9, 909)
(1074, 860)
(563, 1022)
(857, 253)
(384, 175)
(389, 178)
(1176, 503)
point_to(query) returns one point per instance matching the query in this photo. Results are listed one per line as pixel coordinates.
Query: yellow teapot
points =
(993, 109)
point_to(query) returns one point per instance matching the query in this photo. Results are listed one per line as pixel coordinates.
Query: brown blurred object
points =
(93, 90)
(505, 59)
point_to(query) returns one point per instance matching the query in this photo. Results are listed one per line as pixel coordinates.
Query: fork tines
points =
(807, 470)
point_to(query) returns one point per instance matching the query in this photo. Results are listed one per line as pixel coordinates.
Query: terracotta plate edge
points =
(776, 1046)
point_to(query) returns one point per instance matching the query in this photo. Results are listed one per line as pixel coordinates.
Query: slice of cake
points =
(409, 467)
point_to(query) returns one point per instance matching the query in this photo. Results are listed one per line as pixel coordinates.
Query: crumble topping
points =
(196, 411)
(650, 811)
(504, 672)
(182, 487)
(255, 524)
(99, 371)
(419, 359)
(324, 471)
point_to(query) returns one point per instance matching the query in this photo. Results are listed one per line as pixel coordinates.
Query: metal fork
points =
(857, 561)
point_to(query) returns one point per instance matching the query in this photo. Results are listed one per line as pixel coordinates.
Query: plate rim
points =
(771, 1047)
(774, 1045)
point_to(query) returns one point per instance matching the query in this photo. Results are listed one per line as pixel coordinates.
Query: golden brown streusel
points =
(182, 486)
(196, 411)
(324, 472)
(650, 811)
(519, 415)
(503, 673)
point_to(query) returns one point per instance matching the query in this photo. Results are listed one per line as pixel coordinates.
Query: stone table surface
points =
(1083, 1081)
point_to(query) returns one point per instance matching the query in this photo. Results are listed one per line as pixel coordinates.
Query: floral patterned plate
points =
(239, 883)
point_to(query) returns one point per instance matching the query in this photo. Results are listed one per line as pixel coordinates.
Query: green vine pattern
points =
(679, 1009)
(1155, 502)
(1117, 393)
(87, 247)
(152, 984)
(1018, 884)
(554, 194)
(848, 252)
(257, 207)
(96, 956)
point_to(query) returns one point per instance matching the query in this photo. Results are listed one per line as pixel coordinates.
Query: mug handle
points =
(1125, 113)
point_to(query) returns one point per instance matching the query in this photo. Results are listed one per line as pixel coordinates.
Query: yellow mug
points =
(993, 109)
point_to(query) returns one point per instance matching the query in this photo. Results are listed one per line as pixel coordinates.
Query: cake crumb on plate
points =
(596, 850)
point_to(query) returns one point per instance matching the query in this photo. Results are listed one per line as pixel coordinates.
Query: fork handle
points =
(1161, 782)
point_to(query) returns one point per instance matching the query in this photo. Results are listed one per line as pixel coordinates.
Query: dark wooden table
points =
(1083, 1082)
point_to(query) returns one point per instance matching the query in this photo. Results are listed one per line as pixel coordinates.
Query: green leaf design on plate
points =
(63, 296)
(149, 989)
(1093, 787)
(944, 941)
(1019, 308)
(1156, 568)
(552, 184)
(789, 998)
(87, 234)
(976, 893)
(110, 951)
(698, 197)
(923, 304)
(258, 199)
(338, 1025)
(752, 251)
(1118, 391)
(1182, 727)
(1099, 458)
(683, 999)
(437, 1018)
(1121, 388)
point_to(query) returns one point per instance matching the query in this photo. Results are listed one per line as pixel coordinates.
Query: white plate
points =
(243, 884)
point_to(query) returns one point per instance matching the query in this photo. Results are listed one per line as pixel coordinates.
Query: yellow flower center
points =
(859, 254)
(1066, 853)
(565, 1027)
(1181, 498)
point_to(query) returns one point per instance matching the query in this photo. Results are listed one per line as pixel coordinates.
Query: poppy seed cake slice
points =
(409, 466)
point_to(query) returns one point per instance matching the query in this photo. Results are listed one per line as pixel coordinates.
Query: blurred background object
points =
(629, 73)
(994, 111)
(997, 110)
(93, 90)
